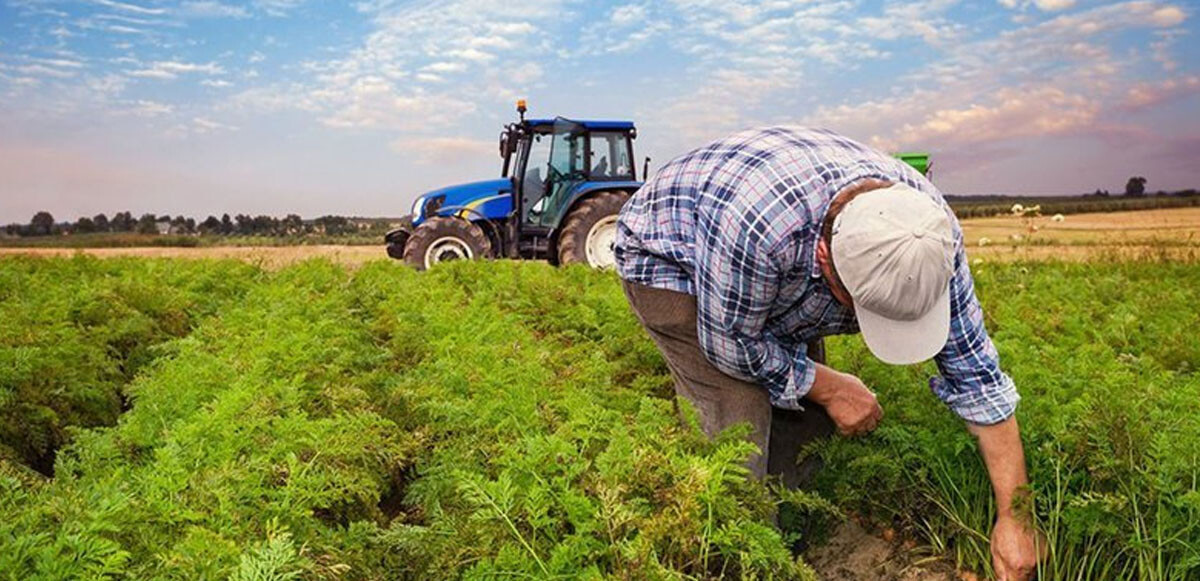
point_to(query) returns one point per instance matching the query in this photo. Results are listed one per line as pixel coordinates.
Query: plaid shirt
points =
(736, 222)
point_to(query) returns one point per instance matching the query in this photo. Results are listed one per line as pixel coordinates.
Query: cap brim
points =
(907, 342)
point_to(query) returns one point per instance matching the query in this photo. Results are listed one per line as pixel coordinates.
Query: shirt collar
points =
(820, 219)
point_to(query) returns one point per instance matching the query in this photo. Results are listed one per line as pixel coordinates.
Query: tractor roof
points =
(590, 124)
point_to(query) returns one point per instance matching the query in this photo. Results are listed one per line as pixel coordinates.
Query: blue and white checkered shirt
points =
(736, 222)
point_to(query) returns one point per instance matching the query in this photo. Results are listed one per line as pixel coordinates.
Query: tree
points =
(226, 224)
(334, 225)
(147, 224)
(210, 225)
(122, 222)
(101, 222)
(42, 224)
(84, 225)
(1136, 186)
(292, 225)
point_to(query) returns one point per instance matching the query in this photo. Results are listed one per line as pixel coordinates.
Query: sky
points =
(202, 107)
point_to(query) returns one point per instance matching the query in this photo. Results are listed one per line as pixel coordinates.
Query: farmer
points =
(737, 256)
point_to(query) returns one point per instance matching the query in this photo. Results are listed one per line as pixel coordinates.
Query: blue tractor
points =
(562, 184)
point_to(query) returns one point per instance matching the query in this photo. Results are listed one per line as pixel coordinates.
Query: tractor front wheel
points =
(444, 239)
(589, 231)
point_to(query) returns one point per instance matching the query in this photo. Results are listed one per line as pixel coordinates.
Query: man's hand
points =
(1016, 546)
(1016, 549)
(847, 400)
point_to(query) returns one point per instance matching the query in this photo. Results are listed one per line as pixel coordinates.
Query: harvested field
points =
(265, 256)
(1147, 234)
(1177, 227)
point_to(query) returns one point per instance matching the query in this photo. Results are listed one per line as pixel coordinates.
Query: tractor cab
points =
(555, 163)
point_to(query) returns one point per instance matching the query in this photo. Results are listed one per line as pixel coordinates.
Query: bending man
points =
(739, 254)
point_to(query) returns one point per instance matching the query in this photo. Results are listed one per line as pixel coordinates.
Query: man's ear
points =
(823, 255)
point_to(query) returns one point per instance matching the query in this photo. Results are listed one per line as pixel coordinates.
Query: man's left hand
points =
(1016, 549)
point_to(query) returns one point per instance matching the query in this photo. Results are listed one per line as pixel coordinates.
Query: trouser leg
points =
(792, 430)
(719, 399)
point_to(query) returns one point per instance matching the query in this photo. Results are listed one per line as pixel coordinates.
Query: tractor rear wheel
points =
(444, 239)
(590, 229)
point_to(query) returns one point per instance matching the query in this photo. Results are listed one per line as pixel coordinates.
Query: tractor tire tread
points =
(432, 229)
(572, 241)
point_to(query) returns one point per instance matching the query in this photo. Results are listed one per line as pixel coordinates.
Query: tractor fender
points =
(584, 192)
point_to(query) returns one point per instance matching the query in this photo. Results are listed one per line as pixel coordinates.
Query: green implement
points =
(919, 161)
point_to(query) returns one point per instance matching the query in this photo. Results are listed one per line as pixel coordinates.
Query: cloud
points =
(61, 63)
(151, 109)
(272, 99)
(204, 125)
(445, 67)
(1146, 95)
(216, 83)
(432, 149)
(1043, 5)
(1168, 16)
(127, 7)
(277, 7)
(122, 29)
(494, 47)
(628, 14)
(167, 70)
(921, 19)
(1012, 113)
(39, 70)
(212, 9)
(375, 103)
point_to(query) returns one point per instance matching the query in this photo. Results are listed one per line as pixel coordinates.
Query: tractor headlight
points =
(416, 207)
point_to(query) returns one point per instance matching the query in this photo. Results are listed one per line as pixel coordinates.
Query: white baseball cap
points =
(893, 248)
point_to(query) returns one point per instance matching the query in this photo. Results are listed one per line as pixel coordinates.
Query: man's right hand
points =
(847, 400)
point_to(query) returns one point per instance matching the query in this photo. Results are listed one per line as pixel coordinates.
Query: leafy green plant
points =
(499, 420)
(1110, 416)
(76, 331)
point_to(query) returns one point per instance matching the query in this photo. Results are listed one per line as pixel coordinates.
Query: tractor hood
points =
(452, 199)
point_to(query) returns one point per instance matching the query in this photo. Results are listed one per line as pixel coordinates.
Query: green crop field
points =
(181, 419)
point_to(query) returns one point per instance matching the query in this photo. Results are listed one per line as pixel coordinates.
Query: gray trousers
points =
(721, 400)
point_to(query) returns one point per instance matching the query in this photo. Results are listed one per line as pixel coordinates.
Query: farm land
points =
(1110, 235)
(339, 417)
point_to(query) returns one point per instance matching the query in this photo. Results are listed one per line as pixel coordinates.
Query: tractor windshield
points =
(565, 171)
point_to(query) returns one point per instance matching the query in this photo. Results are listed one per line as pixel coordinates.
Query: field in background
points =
(134, 240)
(987, 206)
(212, 419)
(1171, 233)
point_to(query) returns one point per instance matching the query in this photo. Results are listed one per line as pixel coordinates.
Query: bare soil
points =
(853, 554)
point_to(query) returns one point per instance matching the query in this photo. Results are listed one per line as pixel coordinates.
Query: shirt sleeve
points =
(736, 285)
(971, 382)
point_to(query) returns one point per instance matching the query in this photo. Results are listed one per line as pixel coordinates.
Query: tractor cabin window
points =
(610, 156)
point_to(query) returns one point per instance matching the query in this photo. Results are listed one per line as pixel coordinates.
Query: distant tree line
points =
(44, 224)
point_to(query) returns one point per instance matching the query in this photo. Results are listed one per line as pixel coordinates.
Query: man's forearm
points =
(1000, 445)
